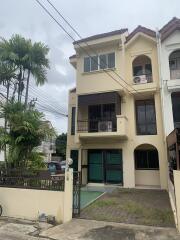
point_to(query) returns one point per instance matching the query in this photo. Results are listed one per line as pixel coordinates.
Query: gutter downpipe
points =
(158, 39)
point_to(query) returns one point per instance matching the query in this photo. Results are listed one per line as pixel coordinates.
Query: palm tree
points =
(29, 59)
(37, 65)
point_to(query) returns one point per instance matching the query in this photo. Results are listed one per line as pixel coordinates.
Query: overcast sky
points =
(25, 17)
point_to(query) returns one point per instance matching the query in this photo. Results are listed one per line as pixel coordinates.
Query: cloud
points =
(88, 17)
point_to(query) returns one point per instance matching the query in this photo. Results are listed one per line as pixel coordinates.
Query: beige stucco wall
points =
(30, 203)
(99, 82)
(147, 177)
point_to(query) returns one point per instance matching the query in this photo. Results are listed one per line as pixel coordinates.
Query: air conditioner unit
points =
(140, 79)
(105, 126)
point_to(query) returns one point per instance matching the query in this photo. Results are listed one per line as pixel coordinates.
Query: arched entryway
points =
(142, 69)
(146, 166)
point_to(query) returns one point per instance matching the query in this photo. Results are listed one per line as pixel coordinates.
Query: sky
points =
(25, 17)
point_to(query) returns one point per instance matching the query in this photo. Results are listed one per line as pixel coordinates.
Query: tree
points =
(61, 142)
(28, 59)
(26, 129)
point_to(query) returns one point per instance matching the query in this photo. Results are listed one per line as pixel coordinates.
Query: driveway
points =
(80, 229)
(132, 206)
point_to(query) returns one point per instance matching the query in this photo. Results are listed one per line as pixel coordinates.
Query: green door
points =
(95, 166)
(113, 166)
(74, 156)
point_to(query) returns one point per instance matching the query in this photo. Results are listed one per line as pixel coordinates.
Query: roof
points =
(102, 35)
(141, 29)
(73, 90)
(72, 56)
(169, 28)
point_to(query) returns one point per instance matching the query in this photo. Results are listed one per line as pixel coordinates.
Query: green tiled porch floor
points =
(88, 197)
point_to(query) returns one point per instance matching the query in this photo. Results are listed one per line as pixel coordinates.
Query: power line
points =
(78, 34)
(45, 9)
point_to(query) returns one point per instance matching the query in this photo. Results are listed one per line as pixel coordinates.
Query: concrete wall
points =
(147, 177)
(30, 203)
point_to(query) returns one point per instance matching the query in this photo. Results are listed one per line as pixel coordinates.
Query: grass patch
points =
(105, 202)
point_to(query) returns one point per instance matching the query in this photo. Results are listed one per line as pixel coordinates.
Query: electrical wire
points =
(81, 38)
(60, 25)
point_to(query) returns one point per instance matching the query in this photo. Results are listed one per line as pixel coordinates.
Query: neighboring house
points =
(47, 147)
(115, 130)
(169, 62)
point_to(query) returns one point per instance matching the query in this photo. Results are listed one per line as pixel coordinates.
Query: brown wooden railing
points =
(41, 181)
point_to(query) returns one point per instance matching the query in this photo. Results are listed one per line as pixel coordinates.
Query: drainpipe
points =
(159, 49)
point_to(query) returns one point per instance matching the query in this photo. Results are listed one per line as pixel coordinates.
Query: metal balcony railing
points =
(97, 125)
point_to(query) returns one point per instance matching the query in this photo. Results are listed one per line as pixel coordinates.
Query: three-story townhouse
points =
(115, 131)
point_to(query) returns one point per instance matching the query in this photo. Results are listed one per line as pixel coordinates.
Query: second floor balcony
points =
(99, 116)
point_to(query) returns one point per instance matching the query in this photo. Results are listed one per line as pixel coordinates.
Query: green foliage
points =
(19, 60)
(25, 131)
(61, 142)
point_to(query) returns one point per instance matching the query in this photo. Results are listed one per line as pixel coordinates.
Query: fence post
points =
(68, 195)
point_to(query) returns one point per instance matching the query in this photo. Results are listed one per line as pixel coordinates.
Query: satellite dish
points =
(69, 161)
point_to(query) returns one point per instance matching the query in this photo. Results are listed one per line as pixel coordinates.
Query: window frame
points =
(73, 120)
(98, 62)
(147, 151)
(145, 123)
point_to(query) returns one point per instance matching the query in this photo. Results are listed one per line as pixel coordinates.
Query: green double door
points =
(105, 166)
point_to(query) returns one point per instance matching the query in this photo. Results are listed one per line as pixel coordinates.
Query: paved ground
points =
(132, 206)
(12, 229)
(79, 229)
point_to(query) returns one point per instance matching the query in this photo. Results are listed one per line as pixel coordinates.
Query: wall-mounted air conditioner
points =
(105, 126)
(140, 79)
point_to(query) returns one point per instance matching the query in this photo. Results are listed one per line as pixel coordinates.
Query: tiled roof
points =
(170, 27)
(102, 35)
(141, 29)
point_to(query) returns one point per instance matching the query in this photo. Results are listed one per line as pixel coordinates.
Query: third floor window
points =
(95, 63)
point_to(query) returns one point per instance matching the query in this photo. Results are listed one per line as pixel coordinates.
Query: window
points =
(145, 117)
(137, 70)
(86, 64)
(176, 106)
(146, 160)
(95, 63)
(103, 61)
(73, 117)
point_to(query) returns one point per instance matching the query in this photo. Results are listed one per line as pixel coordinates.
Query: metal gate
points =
(76, 193)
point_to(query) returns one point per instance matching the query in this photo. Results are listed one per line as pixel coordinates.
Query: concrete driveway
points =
(80, 229)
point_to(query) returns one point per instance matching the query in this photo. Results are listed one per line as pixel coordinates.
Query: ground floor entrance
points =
(105, 166)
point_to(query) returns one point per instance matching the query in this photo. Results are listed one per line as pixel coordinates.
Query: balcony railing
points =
(175, 73)
(144, 78)
(100, 125)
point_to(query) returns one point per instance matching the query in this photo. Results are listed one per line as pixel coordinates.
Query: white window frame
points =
(100, 69)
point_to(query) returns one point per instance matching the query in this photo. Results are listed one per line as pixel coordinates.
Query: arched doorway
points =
(146, 166)
(142, 69)
(174, 64)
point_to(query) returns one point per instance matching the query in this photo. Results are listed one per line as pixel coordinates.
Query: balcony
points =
(102, 129)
